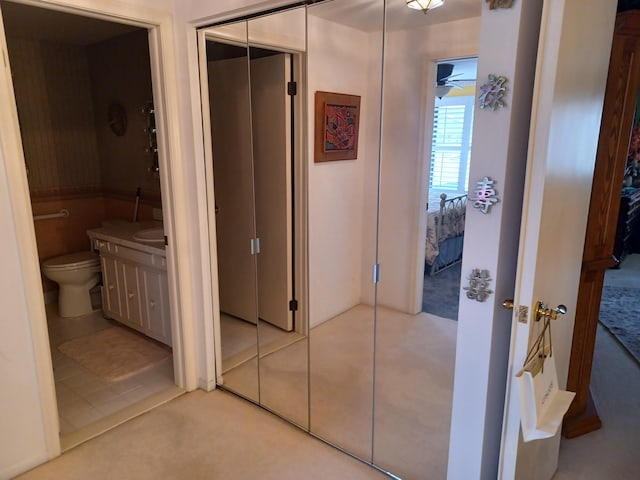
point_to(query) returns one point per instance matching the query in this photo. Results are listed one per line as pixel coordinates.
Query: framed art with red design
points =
(337, 119)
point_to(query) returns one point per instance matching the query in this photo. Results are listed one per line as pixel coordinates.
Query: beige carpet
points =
(218, 436)
(239, 339)
(205, 436)
(415, 356)
(408, 432)
(115, 353)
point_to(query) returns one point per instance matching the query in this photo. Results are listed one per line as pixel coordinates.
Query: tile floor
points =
(84, 398)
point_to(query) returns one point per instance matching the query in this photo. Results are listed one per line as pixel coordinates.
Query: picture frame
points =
(337, 121)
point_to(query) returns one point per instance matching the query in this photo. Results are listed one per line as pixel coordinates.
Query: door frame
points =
(175, 206)
(299, 178)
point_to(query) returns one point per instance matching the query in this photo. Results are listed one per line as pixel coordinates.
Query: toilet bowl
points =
(76, 274)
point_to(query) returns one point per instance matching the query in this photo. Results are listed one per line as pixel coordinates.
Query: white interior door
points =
(271, 116)
(539, 149)
(233, 184)
(572, 71)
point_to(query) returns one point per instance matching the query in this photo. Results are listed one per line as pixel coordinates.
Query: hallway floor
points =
(217, 435)
(612, 451)
(205, 436)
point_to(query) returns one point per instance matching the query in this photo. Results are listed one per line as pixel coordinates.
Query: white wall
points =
(23, 442)
(26, 399)
(408, 99)
(336, 189)
(28, 417)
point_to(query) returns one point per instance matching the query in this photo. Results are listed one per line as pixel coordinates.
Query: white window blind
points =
(451, 147)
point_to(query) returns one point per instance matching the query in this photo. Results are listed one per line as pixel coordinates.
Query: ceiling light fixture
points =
(424, 5)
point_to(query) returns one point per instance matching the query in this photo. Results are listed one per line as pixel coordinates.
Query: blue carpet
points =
(440, 294)
(620, 314)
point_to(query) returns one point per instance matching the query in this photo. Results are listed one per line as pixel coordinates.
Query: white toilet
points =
(75, 274)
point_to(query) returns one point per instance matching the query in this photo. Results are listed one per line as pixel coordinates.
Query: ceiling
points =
(44, 24)
(367, 15)
(25, 21)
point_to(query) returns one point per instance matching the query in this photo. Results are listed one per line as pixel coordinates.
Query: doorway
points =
(455, 92)
(80, 151)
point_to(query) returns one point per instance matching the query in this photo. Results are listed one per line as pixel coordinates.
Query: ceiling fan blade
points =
(444, 71)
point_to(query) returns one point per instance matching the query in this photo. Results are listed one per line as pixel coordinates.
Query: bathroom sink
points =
(150, 235)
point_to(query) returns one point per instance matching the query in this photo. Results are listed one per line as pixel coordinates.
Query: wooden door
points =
(271, 118)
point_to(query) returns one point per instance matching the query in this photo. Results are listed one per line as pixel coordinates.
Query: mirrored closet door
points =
(257, 117)
(353, 361)
(415, 351)
(344, 48)
(232, 170)
(276, 51)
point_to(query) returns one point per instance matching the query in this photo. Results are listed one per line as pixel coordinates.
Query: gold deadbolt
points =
(523, 312)
(508, 304)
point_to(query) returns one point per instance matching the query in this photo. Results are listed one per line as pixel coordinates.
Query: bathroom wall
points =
(53, 91)
(74, 160)
(55, 107)
(124, 163)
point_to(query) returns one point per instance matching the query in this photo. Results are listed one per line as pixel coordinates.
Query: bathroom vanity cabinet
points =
(134, 278)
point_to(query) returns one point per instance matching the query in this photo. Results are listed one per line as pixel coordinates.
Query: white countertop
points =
(121, 232)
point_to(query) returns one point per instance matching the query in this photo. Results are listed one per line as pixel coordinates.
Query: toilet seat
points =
(73, 261)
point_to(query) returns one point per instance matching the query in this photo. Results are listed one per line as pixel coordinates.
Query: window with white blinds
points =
(451, 147)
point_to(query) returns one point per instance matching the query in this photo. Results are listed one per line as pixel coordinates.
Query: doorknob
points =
(543, 311)
(508, 304)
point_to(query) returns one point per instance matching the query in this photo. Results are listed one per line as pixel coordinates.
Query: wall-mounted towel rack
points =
(62, 213)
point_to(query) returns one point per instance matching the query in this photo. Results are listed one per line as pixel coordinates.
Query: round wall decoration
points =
(117, 117)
